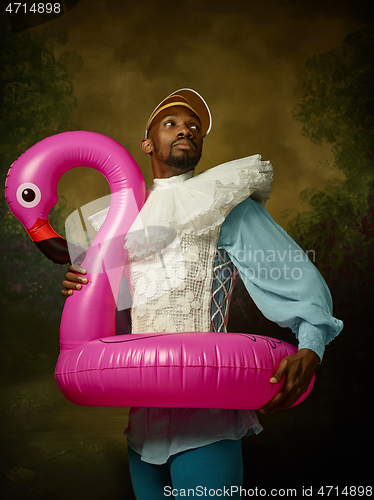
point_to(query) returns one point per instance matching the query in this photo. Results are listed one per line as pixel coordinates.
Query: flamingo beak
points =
(42, 230)
(49, 242)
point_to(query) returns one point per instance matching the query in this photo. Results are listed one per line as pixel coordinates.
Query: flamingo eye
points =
(28, 195)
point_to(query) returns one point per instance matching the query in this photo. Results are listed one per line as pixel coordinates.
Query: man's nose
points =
(184, 131)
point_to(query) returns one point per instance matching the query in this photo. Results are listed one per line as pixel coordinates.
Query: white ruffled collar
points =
(171, 181)
(197, 204)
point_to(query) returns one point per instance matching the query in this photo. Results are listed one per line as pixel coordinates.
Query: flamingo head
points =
(31, 192)
(31, 184)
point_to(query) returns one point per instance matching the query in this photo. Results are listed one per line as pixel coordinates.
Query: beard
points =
(181, 161)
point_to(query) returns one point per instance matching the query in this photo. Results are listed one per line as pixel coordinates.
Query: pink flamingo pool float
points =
(96, 367)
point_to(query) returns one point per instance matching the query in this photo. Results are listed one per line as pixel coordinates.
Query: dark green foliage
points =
(338, 104)
(338, 107)
(37, 100)
(37, 92)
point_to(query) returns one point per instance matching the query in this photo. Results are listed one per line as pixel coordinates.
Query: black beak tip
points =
(56, 250)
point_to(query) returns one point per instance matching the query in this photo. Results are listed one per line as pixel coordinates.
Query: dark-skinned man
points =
(222, 228)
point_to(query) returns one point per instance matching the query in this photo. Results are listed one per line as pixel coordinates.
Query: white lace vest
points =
(173, 243)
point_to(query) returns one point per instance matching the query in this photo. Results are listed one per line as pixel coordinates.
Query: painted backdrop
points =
(289, 79)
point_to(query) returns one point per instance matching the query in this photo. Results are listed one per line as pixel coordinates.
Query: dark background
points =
(290, 79)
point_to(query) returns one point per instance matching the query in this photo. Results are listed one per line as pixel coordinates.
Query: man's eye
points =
(168, 124)
(195, 126)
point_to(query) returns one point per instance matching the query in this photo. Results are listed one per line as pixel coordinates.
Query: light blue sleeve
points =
(281, 279)
(312, 337)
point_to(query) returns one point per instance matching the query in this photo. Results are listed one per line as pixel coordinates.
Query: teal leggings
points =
(215, 470)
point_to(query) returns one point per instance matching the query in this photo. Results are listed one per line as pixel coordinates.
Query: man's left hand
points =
(298, 369)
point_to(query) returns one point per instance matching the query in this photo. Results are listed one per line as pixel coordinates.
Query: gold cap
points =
(190, 99)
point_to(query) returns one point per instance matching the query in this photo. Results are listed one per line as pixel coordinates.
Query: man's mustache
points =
(184, 139)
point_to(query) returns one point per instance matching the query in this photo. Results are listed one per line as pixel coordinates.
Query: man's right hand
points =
(72, 280)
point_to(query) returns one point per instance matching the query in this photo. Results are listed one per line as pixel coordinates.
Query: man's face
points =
(176, 138)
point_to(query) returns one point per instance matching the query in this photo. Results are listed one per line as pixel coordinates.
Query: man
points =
(221, 229)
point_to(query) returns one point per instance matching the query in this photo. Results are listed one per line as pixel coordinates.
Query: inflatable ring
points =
(95, 367)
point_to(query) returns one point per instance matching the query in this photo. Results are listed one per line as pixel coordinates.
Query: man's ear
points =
(147, 146)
